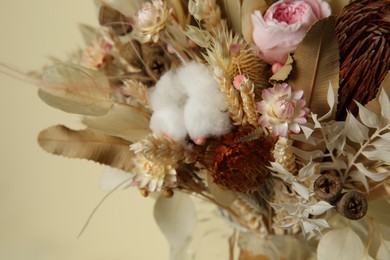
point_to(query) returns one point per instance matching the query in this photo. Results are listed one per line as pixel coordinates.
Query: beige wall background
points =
(45, 199)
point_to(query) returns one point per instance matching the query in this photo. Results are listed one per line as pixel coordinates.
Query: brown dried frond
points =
(251, 66)
(137, 90)
(248, 101)
(239, 166)
(284, 155)
(212, 16)
(233, 99)
(163, 151)
(363, 31)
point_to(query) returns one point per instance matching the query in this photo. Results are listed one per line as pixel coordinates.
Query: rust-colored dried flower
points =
(240, 166)
(363, 31)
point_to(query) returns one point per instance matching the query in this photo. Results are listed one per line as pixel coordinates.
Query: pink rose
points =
(284, 25)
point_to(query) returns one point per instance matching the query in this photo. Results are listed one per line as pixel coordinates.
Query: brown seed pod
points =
(328, 187)
(352, 205)
(239, 166)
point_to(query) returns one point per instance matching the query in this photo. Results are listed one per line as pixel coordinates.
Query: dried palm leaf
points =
(87, 144)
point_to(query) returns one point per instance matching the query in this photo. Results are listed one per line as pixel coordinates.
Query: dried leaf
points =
(198, 36)
(377, 155)
(176, 218)
(195, 9)
(385, 105)
(374, 105)
(75, 89)
(376, 176)
(127, 122)
(284, 71)
(233, 13)
(331, 102)
(341, 243)
(301, 190)
(89, 33)
(379, 209)
(223, 196)
(114, 19)
(307, 131)
(247, 9)
(316, 64)
(338, 5)
(87, 144)
(355, 131)
(318, 208)
(383, 251)
(368, 117)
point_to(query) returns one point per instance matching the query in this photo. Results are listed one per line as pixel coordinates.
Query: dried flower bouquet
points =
(275, 111)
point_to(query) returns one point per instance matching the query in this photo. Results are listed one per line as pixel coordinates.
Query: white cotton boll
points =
(206, 117)
(169, 122)
(196, 78)
(167, 92)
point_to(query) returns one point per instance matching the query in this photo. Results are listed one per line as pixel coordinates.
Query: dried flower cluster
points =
(181, 99)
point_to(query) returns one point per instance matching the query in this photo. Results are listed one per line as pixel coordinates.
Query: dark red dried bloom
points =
(237, 165)
(363, 32)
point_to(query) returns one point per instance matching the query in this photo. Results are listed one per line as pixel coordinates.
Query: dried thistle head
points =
(239, 166)
(150, 20)
(245, 62)
(363, 31)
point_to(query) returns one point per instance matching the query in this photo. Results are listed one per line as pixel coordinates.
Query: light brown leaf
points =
(127, 122)
(316, 64)
(247, 9)
(87, 144)
(233, 14)
(374, 105)
(223, 196)
(89, 33)
(338, 5)
(284, 71)
(75, 89)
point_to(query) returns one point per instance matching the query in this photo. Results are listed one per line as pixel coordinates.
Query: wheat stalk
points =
(248, 101)
(137, 90)
(164, 151)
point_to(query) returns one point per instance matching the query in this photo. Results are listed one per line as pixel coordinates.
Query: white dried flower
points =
(152, 176)
(150, 20)
(282, 110)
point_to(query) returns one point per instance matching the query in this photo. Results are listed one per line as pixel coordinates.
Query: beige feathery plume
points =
(137, 90)
(164, 151)
(284, 155)
(248, 101)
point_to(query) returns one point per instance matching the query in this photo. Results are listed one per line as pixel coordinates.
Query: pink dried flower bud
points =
(282, 110)
(238, 80)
